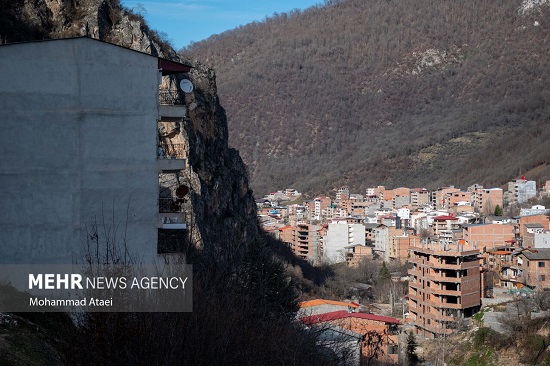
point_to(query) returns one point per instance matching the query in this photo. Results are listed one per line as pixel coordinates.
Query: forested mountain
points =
(363, 92)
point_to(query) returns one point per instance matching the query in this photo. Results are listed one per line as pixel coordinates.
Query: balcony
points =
(171, 97)
(456, 267)
(437, 291)
(441, 318)
(171, 151)
(170, 205)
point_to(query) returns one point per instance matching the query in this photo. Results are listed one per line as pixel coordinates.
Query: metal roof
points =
(537, 254)
(344, 314)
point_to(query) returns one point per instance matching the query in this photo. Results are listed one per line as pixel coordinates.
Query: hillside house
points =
(380, 333)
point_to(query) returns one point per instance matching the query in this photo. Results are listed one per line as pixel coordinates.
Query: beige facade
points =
(303, 239)
(487, 236)
(485, 200)
(420, 197)
(399, 246)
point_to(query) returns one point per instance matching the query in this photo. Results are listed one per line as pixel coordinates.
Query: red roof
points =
(501, 252)
(444, 218)
(341, 314)
(170, 67)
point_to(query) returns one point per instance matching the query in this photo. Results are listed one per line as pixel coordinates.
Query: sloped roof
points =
(537, 254)
(168, 67)
(318, 302)
(501, 252)
(445, 218)
(313, 319)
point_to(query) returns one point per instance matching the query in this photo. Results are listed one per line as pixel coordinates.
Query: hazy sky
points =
(187, 21)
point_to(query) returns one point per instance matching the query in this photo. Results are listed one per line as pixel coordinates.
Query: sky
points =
(187, 21)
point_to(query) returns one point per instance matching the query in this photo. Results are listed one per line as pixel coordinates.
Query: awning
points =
(171, 67)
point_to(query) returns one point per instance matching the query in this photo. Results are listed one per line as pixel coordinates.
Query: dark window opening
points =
(172, 241)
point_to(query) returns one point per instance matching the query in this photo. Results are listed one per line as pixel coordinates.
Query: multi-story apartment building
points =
(485, 200)
(444, 227)
(444, 286)
(453, 199)
(303, 239)
(438, 196)
(520, 190)
(375, 191)
(398, 246)
(341, 234)
(342, 193)
(318, 205)
(85, 137)
(487, 236)
(420, 197)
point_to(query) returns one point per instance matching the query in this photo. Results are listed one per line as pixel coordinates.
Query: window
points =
(542, 264)
(171, 241)
(542, 277)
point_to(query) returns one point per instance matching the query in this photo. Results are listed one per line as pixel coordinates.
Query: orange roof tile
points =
(286, 228)
(501, 252)
(318, 302)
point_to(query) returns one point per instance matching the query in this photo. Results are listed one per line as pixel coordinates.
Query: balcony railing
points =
(170, 97)
(171, 151)
(168, 204)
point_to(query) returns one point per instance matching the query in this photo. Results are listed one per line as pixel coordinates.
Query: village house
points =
(379, 333)
(533, 268)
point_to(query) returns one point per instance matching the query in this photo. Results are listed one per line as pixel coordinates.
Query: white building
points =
(340, 234)
(521, 190)
(534, 210)
(542, 240)
(87, 150)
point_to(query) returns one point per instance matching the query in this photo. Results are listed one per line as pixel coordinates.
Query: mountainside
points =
(413, 93)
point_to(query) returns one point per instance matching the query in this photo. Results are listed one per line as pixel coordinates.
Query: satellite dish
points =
(186, 85)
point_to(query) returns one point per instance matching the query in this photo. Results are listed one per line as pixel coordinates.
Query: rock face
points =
(221, 205)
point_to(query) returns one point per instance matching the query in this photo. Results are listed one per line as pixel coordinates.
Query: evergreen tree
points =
(412, 357)
(384, 273)
(498, 210)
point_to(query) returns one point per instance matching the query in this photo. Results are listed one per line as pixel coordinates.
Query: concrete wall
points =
(78, 141)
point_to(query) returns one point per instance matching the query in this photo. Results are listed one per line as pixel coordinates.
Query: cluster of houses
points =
(456, 243)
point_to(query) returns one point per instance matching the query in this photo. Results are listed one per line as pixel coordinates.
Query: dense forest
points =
(414, 93)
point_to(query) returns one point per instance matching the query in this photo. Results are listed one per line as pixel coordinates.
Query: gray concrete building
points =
(87, 153)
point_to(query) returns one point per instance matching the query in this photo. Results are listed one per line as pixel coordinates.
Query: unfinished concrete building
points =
(444, 286)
